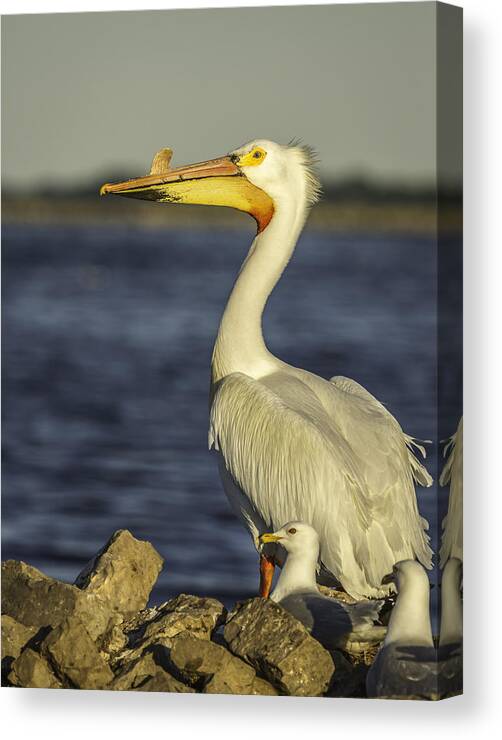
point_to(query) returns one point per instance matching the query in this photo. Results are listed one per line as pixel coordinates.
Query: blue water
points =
(107, 336)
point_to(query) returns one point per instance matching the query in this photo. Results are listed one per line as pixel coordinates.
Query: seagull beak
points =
(389, 578)
(217, 182)
(269, 537)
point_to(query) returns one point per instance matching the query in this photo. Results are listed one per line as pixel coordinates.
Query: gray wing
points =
(330, 621)
(401, 672)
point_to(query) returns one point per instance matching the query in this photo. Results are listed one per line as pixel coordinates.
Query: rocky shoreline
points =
(99, 634)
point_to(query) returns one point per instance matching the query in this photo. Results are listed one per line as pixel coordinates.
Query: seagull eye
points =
(292, 530)
(257, 154)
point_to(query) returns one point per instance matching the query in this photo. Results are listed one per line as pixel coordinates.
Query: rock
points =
(134, 673)
(162, 681)
(349, 679)
(224, 683)
(194, 615)
(145, 674)
(75, 658)
(196, 661)
(114, 640)
(279, 647)
(198, 615)
(123, 573)
(14, 636)
(135, 624)
(260, 687)
(36, 600)
(211, 668)
(31, 671)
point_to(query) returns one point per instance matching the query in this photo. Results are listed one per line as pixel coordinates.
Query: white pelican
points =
(292, 445)
(452, 539)
(332, 623)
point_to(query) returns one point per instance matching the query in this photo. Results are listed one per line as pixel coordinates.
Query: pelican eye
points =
(252, 158)
(292, 530)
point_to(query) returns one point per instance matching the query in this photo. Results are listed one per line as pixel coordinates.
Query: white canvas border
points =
(42, 713)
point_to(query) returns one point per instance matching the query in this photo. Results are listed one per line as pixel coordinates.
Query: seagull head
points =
(296, 538)
(407, 572)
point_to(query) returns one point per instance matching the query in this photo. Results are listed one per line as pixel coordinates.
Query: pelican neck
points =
(240, 346)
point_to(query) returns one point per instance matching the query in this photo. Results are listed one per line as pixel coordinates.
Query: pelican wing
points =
(389, 466)
(419, 472)
(452, 475)
(293, 458)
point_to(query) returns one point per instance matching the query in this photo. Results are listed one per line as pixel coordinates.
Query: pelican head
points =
(255, 178)
(295, 538)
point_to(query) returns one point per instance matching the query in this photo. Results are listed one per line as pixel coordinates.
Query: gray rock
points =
(279, 647)
(145, 674)
(31, 671)
(123, 573)
(14, 636)
(36, 600)
(74, 656)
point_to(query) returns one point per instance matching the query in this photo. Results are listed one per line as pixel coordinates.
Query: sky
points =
(86, 95)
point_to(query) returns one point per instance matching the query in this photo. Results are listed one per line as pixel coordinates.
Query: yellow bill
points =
(217, 182)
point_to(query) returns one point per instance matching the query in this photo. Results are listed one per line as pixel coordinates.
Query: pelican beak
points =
(269, 537)
(217, 182)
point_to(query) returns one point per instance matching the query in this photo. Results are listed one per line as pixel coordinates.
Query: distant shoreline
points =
(347, 215)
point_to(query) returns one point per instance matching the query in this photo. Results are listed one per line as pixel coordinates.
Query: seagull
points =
(333, 623)
(292, 445)
(451, 603)
(450, 654)
(406, 665)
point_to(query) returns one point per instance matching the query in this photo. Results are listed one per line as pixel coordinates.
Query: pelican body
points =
(292, 445)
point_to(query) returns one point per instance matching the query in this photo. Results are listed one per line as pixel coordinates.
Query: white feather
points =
(296, 446)
(452, 545)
